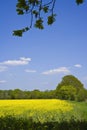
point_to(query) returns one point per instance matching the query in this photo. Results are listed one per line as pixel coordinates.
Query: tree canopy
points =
(67, 93)
(36, 10)
(70, 80)
(71, 88)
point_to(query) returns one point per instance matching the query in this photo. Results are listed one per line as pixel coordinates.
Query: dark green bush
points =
(13, 123)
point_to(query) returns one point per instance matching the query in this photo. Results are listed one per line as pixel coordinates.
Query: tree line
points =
(70, 88)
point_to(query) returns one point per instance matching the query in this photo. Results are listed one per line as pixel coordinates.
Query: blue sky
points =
(40, 59)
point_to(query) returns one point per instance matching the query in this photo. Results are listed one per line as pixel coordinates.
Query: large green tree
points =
(67, 93)
(70, 80)
(36, 9)
(71, 88)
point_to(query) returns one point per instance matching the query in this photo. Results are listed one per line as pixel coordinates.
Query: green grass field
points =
(81, 109)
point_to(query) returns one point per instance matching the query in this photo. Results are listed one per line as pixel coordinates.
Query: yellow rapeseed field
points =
(39, 109)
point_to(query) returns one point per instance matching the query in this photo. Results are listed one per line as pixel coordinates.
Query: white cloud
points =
(78, 65)
(3, 68)
(58, 70)
(30, 71)
(2, 81)
(21, 61)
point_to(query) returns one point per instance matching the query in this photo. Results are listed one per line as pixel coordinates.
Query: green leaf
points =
(39, 24)
(45, 9)
(19, 11)
(21, 3)
(51, 19)
(79, 1)
(26, 7)
(20, 32)
(31, 1)
(17, 33)
(35, 13)
(26, 28)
